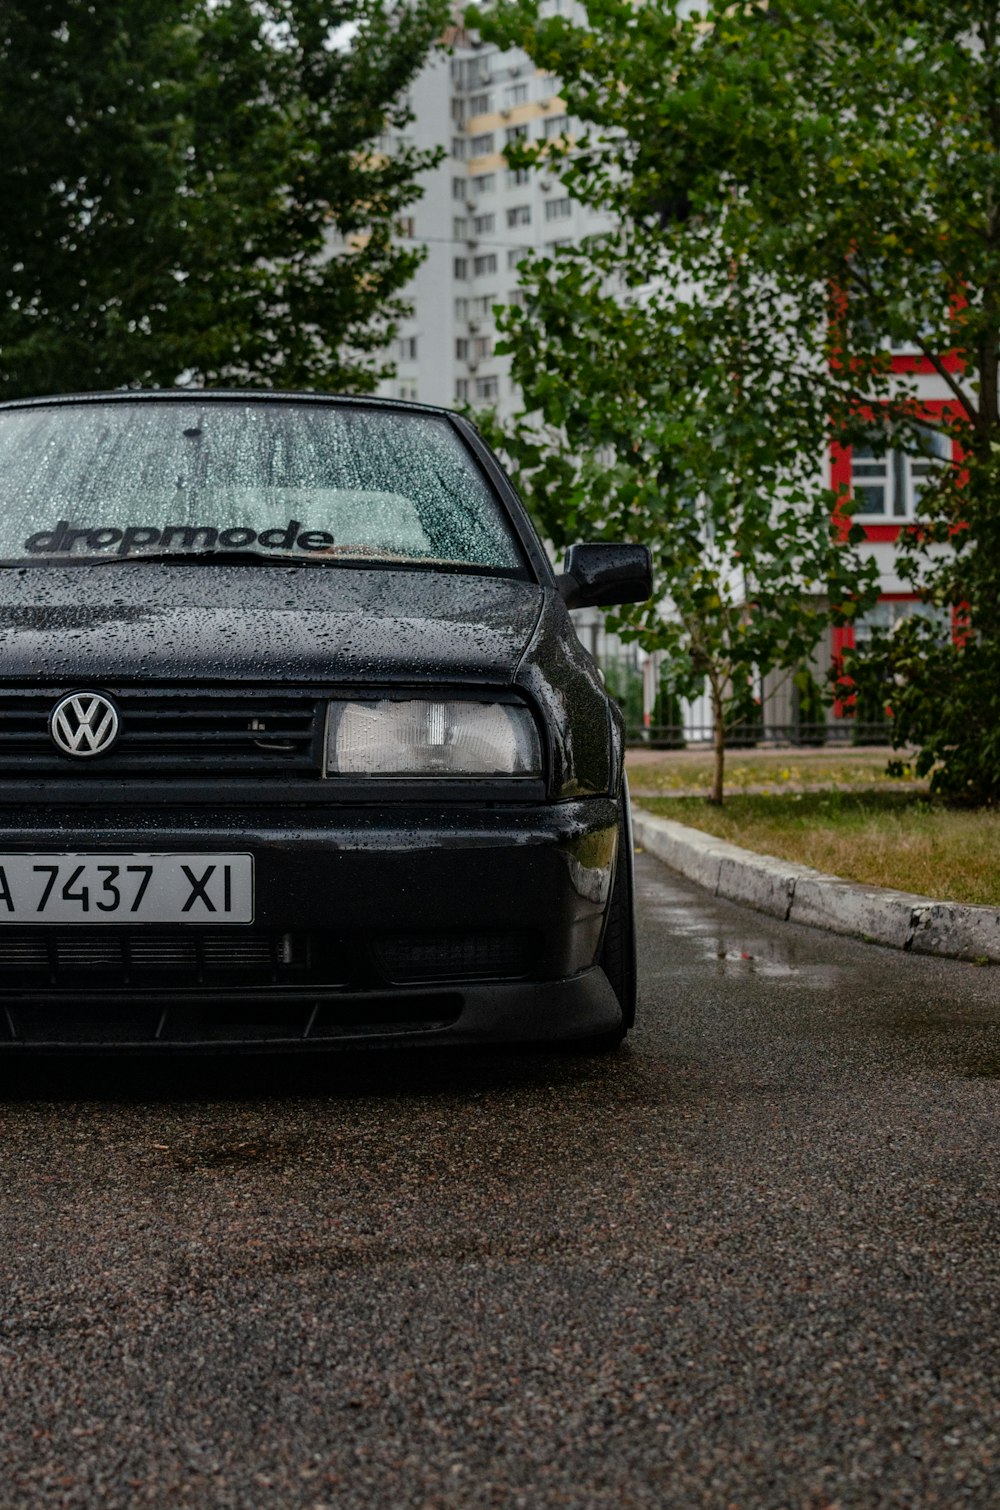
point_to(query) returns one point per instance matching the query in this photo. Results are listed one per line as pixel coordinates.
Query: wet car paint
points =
(135, 623)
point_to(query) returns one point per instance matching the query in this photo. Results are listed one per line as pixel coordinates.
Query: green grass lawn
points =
(781, 770)
(880, 837)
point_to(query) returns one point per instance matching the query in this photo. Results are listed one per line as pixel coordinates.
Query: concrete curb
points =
(797, 894)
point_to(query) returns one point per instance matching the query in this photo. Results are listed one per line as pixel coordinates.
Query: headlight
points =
(419, 737)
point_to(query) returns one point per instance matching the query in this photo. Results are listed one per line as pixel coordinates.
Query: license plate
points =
(126, 888)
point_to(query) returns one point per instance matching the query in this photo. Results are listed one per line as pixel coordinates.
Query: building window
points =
(407, 390)
(471, 73)
(461, 390)
(480, 104)
(887, 615)
(487, 387)
(558, 209)
(887, 484)
(479, 309)
(407, 348)
(515, 254)
(458, 188)
(462, 349)
(556, 125)
(482, 144)
(484, 224)
(484, 183)
(515, 134)
(519, 214)
(459, 227)
(517, 94)
(406, 227)
(517, 298)
(460, 267)
(516, 177)
(461, 309)
(483, 265)
(458, 148)
(482, 348)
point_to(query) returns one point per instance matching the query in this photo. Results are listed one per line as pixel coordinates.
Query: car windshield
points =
(323, 483)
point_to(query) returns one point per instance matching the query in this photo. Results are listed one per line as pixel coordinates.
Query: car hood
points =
(142, 621)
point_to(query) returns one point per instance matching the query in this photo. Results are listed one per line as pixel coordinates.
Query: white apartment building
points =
(478, 218)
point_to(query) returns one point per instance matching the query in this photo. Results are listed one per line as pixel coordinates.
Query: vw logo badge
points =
(84, 723)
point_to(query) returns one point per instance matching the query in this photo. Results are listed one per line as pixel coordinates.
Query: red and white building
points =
(886, 490)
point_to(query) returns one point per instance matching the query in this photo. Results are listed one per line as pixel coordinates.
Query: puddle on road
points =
(942, 1014)
(737, 953)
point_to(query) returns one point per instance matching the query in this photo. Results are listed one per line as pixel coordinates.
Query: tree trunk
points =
(719, 747)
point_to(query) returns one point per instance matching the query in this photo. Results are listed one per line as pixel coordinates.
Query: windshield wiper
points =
(209, 557)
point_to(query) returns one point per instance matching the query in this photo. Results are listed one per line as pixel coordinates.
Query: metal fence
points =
(842, 733)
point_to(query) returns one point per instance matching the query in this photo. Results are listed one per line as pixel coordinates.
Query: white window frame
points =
(897, 474)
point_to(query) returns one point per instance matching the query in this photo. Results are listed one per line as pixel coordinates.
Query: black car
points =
(298, 745)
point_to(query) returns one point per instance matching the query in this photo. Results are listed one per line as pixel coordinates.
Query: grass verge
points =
(778, 770)
(882, 838)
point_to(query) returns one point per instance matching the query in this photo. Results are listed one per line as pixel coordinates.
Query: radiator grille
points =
(176, 732)
(77, 958)
(410, 958)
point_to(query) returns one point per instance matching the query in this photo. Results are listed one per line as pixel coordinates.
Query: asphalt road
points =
(752, 1260)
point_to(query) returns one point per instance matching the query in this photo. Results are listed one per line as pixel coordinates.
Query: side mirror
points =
(598, 576)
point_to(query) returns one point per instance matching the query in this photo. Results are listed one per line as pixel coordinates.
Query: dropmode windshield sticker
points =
(88, 539)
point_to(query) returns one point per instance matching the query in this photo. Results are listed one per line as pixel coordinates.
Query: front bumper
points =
(416, 922)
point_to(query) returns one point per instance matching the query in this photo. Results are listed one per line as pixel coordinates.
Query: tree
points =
(653, 415)
(848, 158)
(176, 175)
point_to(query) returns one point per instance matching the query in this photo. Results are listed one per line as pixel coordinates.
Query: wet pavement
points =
(751, 1260)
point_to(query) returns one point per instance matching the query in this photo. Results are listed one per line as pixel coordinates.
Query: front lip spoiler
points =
(581, 1006)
